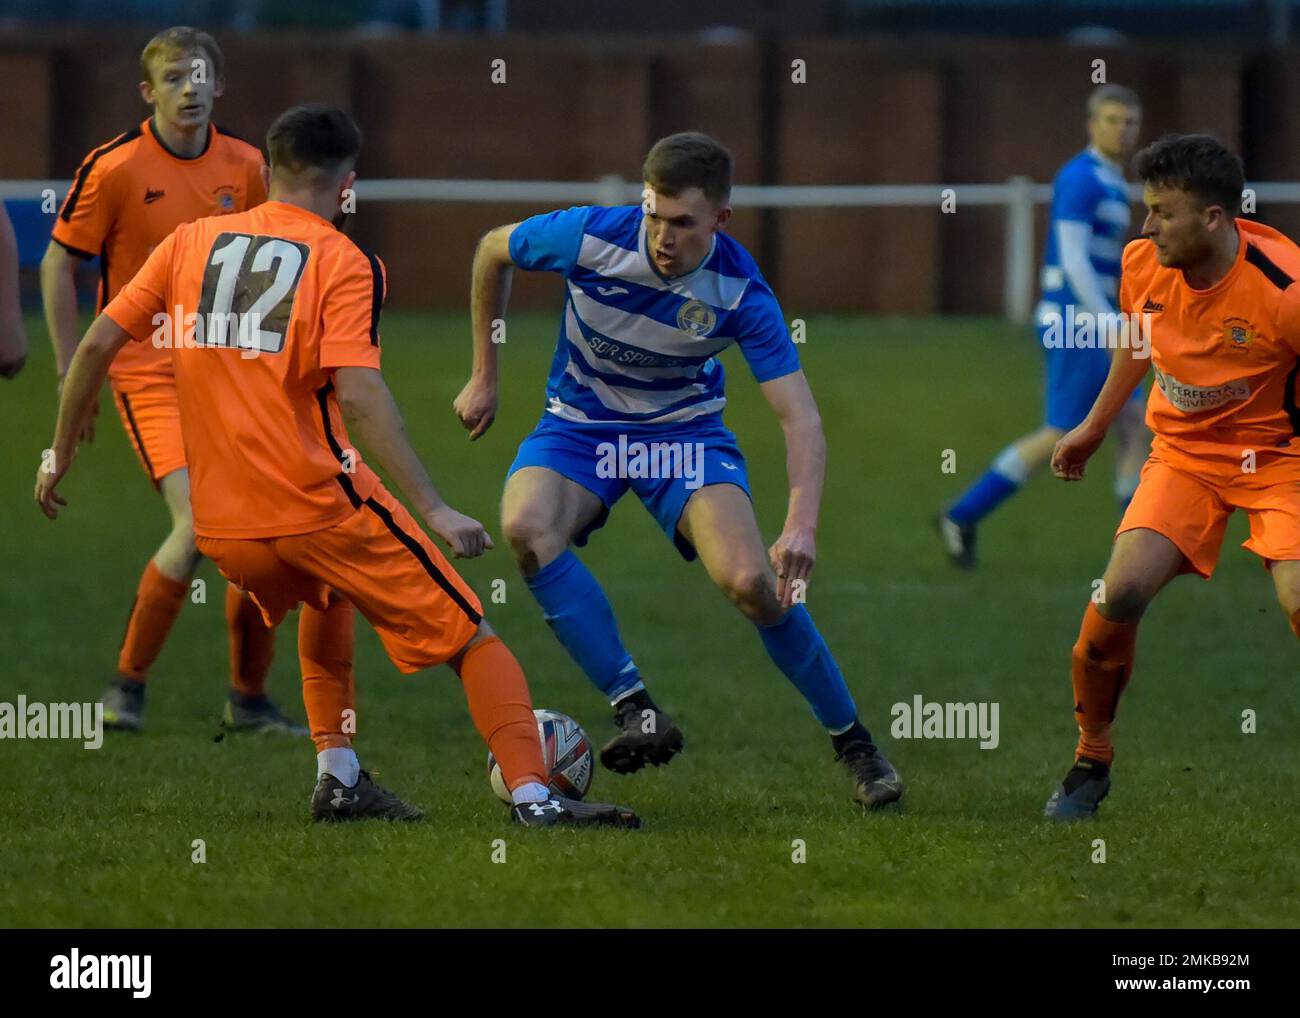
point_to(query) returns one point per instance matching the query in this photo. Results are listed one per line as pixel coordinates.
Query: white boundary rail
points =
(1017, 197)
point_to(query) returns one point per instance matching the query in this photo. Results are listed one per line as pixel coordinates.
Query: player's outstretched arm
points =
(794, 553)
(13, 338)
(476, 406)
(372, 415)
(81, 387)
(1074, 450)
(59, 299)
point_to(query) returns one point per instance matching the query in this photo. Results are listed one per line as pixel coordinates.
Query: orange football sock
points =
(1101, 663)
(326, 642)
(502, 710)
(158, 601)
(252, 643)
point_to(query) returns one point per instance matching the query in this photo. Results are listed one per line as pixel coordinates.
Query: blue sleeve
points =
(764, 339)
(1075, 196)
(549, 242)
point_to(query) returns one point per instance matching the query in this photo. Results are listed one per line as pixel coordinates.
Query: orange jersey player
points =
(128, 195)
(274, 336)
(1213, 301)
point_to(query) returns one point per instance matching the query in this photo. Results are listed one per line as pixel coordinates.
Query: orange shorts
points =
(1189, 501)
(151, 415)
(378, 558)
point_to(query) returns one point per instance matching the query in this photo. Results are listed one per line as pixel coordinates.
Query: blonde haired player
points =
(128, 195)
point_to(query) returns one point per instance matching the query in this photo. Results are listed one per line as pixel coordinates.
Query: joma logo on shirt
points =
(1193, 398)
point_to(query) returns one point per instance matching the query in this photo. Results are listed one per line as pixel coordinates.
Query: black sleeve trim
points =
(89, 165)
(376, 296)
(1272, 272)
(87, 255)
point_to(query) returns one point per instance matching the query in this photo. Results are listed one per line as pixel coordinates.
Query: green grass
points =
(1200, 829)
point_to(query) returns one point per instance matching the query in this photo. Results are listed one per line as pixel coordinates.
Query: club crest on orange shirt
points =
(1238, 333)
(224, 199)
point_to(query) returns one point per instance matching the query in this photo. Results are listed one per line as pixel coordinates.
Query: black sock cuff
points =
(858, 733)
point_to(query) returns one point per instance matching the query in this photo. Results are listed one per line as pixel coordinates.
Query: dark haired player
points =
(283, 505)
(653, 294)
(1224, 323)
(127, 196)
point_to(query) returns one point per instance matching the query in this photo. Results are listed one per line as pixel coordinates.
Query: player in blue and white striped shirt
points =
(653, 293)
(1080, 284)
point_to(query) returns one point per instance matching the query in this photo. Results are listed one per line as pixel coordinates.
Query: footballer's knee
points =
(178, 556)
(483, 633)
(751, 588)
(1288, 592)
(1125, 600)
(534, 540)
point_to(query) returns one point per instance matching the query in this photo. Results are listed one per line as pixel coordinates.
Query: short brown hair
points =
(689, 159)
(175, 42)
(1197, 163)
(314, 139)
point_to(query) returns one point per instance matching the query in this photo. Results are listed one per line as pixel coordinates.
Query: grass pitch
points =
(1200, 829)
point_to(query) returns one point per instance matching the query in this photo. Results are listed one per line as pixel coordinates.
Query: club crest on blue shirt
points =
(696, 318)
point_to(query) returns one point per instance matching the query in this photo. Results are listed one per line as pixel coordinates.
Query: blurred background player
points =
(13, 337)
(279, 506)
(654, 293)
(1224, 348)
(1089, 225)
(127, 196)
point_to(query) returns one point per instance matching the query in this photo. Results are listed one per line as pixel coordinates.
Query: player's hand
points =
(464, 535)
(48, 475)
(87, 429)
(1074, 450)
(793, 556)
(476, 406)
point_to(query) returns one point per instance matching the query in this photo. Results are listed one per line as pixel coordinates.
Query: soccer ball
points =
(566, 752)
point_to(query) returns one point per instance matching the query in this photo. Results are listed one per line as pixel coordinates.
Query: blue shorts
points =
(1074, 378)
(663, 464)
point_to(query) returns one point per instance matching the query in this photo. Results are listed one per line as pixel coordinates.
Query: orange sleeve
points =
(1288, 317)
(89, 210)
(350, 316)
(1128, 269)
(139, 303)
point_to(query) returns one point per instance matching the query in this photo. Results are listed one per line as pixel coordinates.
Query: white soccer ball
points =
(566, 752)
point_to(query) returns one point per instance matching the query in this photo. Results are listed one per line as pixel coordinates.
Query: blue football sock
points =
(999, 482)
(582, 618)
(799, 651)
